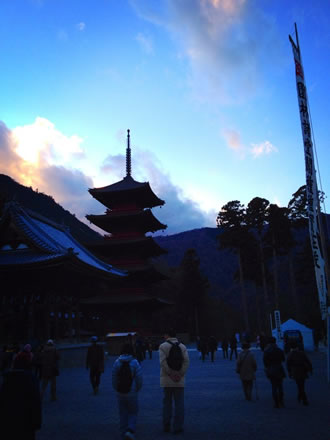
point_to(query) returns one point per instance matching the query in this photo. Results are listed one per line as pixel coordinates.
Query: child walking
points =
(127, 381)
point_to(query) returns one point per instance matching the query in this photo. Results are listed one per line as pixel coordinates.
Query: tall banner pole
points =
(311, 189)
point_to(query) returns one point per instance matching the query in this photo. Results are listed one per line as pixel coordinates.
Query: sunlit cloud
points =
(264, 148)
(40, 156)
(81, 26)
(234, 142)
(42, 142)
(226, 43)
(145, 43)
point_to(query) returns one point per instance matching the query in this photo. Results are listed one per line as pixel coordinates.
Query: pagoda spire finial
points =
(128, 156)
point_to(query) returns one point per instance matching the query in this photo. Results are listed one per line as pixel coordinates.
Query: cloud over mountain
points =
(40, 156)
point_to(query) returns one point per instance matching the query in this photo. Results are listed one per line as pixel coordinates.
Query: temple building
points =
(45, 273)
(126, 221)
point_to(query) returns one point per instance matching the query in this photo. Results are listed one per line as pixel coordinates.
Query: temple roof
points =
(125, 191)
(126, 220)
(39, 241)
(145, 246)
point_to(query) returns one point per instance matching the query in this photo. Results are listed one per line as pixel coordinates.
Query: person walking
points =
(49, 369)
(95, 363)
(174, 363)
(233, 346)
(273, 358)
(20, 402)
(299, 367)
(224, 346)
(127, 381)
(149, 347)
(213, 346)
(246, 367)
(204, 348)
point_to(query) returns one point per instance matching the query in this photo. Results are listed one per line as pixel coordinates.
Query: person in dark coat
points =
(49, 369)
(224, 346)
(299, 366)
(20, 402)
(273, 358)
(213, 346)
(95, 363)
(204, 348)
(233, 346)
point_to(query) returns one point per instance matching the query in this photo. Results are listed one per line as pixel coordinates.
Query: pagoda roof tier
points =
(143, 246)
(28, 240)
(115, 221)
(126, 191)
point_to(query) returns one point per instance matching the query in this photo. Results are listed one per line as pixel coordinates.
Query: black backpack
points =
(175, 356)
(124, 378)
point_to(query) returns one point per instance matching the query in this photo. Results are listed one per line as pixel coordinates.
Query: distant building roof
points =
(39, 240)
(127, 189)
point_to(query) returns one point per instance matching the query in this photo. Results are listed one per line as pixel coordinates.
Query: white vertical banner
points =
(278, 325)
(311, 183)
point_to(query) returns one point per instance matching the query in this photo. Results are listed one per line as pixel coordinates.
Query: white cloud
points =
(263, 148)
(42, 142)
(145, 43)
(234, 142)
(41, 156)
(226, 42)
(81, 26)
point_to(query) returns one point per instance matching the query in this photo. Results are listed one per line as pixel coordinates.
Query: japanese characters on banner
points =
(278, 325)
(311, 183)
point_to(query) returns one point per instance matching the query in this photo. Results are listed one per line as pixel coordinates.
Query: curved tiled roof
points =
(48, 241)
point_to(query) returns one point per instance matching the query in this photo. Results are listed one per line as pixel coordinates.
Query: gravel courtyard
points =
(214, 405)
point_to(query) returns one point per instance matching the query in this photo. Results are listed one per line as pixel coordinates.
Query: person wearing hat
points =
(49, 368)
(95, 363)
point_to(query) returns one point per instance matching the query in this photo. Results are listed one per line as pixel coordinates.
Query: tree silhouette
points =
(193, 289)
(231, 219)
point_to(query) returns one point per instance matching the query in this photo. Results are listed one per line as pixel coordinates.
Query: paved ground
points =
(215, 407)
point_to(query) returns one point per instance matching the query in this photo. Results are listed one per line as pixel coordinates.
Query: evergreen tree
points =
(231, 219)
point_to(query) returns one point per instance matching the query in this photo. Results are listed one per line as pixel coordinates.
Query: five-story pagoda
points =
(127, 220)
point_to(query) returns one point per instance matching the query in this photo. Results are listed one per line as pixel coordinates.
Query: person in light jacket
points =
(246, 367)
(128, 401)
(173, 382)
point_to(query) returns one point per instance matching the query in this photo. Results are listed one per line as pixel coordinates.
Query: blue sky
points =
(207, 88)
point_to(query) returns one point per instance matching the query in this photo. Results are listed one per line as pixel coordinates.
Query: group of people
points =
(298, 366)
(209, 346)
(26, 376)
(21, 394)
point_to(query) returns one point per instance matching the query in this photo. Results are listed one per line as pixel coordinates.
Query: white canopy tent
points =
(306, 332)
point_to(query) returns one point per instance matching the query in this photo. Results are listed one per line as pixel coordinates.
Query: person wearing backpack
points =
(127, 381)
(174, 362)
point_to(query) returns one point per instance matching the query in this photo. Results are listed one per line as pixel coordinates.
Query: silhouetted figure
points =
(204, 348)
(149, 347)
(49, 369)
(213, 346)
(299, 366)
(273, 358)
(37, 361)
(246, 367)
(139, 349)
(224, 346)
(95, 363)
(20, 403)
(233, 346)
(262, 341)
